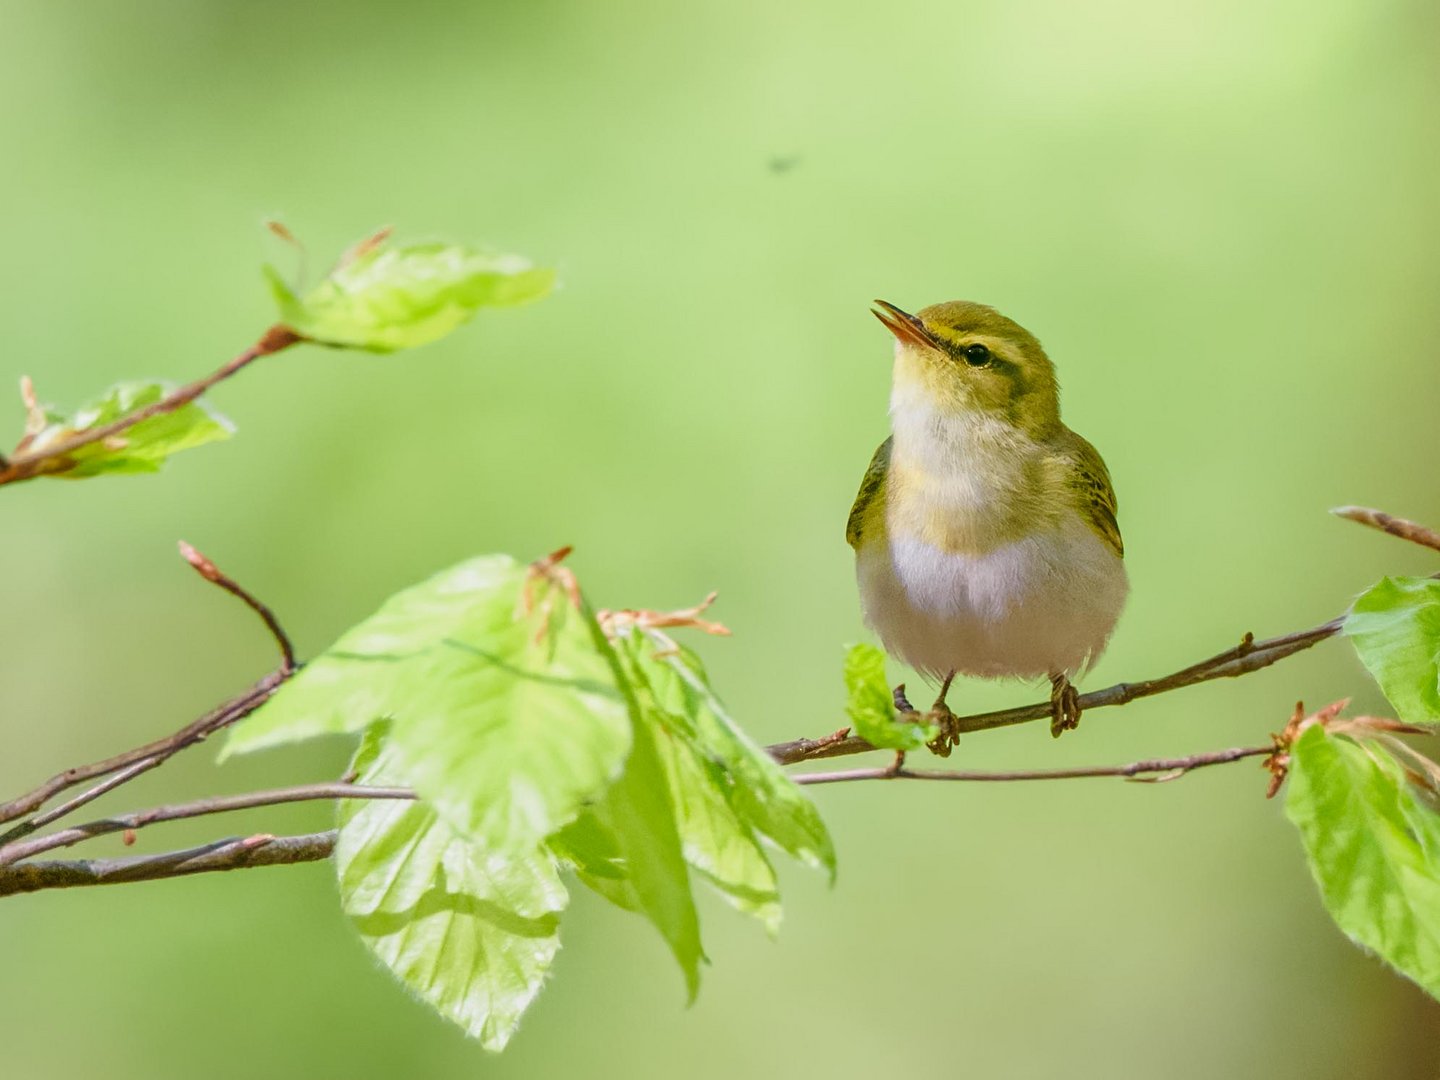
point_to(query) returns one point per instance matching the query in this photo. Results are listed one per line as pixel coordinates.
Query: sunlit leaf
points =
(590, 850)
(638, 816)
(718, 840)
(385, 298)
(767, 800)
(141, 448)
(1395, 626)
(507, 715)
(871, 708)
(473, 933)
(1373, 846)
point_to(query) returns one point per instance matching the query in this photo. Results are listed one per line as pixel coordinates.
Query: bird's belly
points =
(1043, 604)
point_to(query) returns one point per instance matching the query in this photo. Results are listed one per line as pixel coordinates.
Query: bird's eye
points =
(976, 355)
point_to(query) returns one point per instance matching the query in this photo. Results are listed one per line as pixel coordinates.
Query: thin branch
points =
(196, 731)
(236, 853)
(20, 849)
(212, 573)
(264, 850)
(125, 767)
(1155, 770)
(28, 461)
(23, 849)
(1378, 519)
(1250, 655)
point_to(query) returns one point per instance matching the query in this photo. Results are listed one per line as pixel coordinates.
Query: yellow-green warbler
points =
(984, 531)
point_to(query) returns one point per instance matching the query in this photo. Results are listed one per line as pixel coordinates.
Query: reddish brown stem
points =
(28, 462)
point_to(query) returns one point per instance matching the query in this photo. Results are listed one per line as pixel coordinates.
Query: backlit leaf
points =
(140, 448)
(638, 816)
(473, 933)
(1373, 847)
(718, 840)
(1395, 626)
(507, 716)
(871, 708)
(386, 298)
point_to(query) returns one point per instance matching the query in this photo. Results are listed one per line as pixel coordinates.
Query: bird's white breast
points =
(1043, 604)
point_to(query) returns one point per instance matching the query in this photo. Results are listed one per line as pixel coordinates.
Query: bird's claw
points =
(941, 717)
(1064, 706)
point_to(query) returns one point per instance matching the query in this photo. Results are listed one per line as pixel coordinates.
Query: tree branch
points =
(1157, 770)
(26, 462)
(143, 758)
(213, 574)
(261, 850)
(265, 850)
(235, 853)
(1250, 655)
(221, 804)
(1378, 519)
(123, 768)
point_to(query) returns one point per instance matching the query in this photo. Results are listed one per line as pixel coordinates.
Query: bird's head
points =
(960, 358)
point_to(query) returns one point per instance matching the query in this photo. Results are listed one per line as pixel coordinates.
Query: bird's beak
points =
(906, 327)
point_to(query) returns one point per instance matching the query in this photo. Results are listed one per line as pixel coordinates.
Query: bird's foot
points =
(941, 717)
(1064, 706)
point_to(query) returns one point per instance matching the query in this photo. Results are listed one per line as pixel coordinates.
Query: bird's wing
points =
(871, 493)
(1089, 481)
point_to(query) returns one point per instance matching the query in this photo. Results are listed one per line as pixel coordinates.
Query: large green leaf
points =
(590, 849)
(759, 792)
(387, 298)
(871, 707)
(1395, 626)
(507, 715)
(637, 819)
(472, 933)
(140, 448)
(717, 839)
(1373, 846)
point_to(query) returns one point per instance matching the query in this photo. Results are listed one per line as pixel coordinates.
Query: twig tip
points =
(203, 566)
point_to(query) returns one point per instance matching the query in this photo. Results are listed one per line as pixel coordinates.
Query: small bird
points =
(984, 530)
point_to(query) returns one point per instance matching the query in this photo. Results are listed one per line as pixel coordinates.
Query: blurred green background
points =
(1219, 216)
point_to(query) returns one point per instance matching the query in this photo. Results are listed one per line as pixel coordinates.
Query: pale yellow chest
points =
(968, 485)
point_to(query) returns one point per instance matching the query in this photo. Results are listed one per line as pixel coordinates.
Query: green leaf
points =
(1395, 626)
(387, 298)
(717, 837)
(871, 707)
(1373, 847)
(592, 852)
(638, 816)
(506, 713)
(472, 933)
(141, 448)
(761, 794)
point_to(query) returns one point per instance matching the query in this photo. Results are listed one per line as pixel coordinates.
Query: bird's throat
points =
(965, 482)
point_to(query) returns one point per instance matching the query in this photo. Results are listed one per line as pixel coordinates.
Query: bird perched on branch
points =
(984, 530)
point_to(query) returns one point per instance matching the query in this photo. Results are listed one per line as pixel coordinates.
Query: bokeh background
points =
(1219, 216)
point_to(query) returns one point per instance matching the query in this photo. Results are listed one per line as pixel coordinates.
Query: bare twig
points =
(133, 762)
(1250, 655)
(30, 460)
(1378, 519)
(212, 573)
(1154, 771)
(235, 853)
(124, 767)
(17, 876)
(24, 849)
